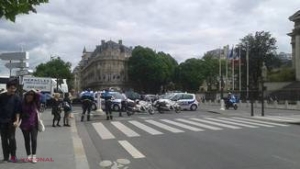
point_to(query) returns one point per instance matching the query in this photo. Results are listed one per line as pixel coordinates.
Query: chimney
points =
(120, 42)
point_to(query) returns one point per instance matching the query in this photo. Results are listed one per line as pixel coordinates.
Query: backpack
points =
(66, 106)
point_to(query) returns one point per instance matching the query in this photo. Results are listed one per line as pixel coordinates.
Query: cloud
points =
(183, 28)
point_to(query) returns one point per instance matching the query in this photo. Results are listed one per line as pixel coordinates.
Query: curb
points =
(79, 152)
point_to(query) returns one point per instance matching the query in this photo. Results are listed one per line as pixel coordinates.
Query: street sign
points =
(14, 56)
(23, 72)
(17, 65)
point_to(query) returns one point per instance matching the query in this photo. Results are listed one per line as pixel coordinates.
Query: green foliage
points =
(286, 74)
(149, 71)
(262, 48)
(56, 68)
(9, 9)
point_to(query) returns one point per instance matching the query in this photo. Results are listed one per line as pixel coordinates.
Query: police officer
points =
(87, 100)
(107, 97)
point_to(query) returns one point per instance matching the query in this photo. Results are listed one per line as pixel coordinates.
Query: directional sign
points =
(14, 56)
(23, 72)
(17, 65)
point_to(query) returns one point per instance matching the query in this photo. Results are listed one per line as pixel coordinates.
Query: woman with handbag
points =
(29, 123)
(67, 109)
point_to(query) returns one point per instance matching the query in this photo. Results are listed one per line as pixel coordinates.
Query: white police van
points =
(186, 101)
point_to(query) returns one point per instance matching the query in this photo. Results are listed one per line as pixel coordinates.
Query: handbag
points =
(41, 126)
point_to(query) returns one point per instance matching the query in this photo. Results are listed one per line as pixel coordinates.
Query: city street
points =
(190, 140)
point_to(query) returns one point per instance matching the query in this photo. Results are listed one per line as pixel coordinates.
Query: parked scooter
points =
(166, 105)
(139, 106)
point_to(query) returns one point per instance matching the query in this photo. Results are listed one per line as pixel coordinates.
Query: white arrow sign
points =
(14, 56)
(23, 72)
(17, 65)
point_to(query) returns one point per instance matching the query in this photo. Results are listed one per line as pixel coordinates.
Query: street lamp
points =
(263, 78)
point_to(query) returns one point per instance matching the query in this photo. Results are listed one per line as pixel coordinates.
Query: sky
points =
(183, 28)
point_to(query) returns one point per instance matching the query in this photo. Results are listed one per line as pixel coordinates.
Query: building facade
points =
(295, 35)
(105, 67)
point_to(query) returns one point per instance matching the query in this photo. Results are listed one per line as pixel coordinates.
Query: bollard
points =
(286, 104)
(266, 104)
(222, 105)
(275, 104)
(298, 105)
(209, 102)
(247, 103)
(99, 110)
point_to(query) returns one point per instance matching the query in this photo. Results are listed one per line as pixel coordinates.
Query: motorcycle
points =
(166, 105)
(229, 103)
(139, 106)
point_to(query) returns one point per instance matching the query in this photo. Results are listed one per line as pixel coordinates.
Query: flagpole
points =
(247, 60)
(232, 69)
(220, 67)
(240, 69)
(226, 55)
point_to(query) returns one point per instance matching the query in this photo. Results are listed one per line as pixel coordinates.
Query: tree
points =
(149, 71)
(56, 68)
(262, 48)
(9, 9)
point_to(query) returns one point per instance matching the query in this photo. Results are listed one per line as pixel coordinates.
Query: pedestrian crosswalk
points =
(140, 127)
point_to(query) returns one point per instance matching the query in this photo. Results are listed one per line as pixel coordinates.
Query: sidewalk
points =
(58, 147)
(276, 115)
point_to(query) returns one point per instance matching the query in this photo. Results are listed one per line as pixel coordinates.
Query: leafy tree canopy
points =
(9, 9)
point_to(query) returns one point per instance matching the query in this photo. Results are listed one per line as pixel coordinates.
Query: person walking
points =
(107, 97)
(10, 109)
(29, 123)
(56, 109)
(87, 100)
(67, 109)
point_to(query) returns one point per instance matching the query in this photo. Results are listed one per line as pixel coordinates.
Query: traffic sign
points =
(23, 72)
(17, 65)
(14, 56)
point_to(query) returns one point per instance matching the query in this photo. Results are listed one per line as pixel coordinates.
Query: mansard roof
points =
(295, 17)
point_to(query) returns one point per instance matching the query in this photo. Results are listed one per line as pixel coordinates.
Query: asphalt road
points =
(190, 140)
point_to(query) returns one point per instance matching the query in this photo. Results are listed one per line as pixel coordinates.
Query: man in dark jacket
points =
(10, 109)
(87, 100)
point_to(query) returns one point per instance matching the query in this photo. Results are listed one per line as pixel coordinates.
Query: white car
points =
(186, 101)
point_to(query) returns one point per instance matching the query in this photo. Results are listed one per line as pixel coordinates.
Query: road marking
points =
(281, 119)
(233, 123)
(263, 122)
(163, 126)
(182, 125)
(214, 123)
(131, 150)
(199, 124)
(146, 128)
(124, 129)
(246, 122)
(103, 132)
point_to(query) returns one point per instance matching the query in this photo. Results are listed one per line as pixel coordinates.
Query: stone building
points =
(295, 35)
(105, 67)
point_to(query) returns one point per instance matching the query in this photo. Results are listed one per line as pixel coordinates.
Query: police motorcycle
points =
(139, 106)
(231, 101)
(167, 103)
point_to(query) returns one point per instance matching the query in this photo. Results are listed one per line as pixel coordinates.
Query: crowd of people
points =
(23, 112)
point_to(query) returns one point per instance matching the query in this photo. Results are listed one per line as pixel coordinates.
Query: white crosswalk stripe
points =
(233, 123)
(181, 125)
(199, 124)
(246, 122)
(124, 129)
(103, 132)
(215, 123)
(259, 121)
(163, 126)
(131, 149)
(145, 128)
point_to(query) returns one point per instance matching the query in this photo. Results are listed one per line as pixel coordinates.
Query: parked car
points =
(186, 101)
(116, 101)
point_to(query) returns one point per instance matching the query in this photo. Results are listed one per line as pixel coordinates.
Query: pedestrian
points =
(67, 109)
(29, 123)
(123, 104)
(10, 109)
(56, 109)
(107, 97)
(87, 100)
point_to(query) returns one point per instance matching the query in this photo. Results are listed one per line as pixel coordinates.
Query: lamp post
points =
(263, 78)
